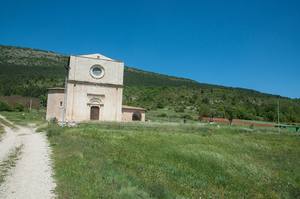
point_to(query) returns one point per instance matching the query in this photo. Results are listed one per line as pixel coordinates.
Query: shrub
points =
(52, 132)
(205, 114)
(38, 107)
(19, 107)
(162, 115)
(200, 118)
(187, 117)
(220, 108)
(160, 105)
(4, 106)
(180, 109)
(205, 100)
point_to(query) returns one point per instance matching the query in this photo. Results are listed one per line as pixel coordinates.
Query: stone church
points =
(93, 92)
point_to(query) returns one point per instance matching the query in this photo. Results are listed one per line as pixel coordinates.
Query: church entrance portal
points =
(95, 113)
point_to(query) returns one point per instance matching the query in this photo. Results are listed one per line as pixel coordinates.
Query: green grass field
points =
(25, 118)
(226, 162)
(171, 162)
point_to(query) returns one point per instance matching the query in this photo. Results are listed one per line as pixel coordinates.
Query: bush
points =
(160, 105)
(180, 109)
(220, 108)
(200, 118)
(52, 132)
(19, 107)
(4, 106)
(187, 117)
(205, 100)
(162, 115)
(37, 108)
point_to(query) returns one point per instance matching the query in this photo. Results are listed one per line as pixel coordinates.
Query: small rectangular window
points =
(60, 104)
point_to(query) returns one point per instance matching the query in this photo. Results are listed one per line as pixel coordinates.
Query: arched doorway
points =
(94, 105)
(95, 113)
(136, 116)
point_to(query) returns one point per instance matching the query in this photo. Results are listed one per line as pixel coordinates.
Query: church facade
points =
(94, 92)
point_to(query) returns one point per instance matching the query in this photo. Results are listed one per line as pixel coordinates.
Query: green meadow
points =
(207, 162)
(33, 118)
(169, 160)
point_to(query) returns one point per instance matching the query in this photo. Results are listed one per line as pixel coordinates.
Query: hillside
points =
(29, 72)
(25, 65)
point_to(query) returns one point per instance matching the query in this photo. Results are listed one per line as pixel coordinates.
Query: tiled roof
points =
(57, 88)
(131, 107)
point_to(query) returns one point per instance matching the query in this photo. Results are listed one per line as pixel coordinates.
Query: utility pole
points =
(30, 104)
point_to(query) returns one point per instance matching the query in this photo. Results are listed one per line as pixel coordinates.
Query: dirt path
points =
(31, 176)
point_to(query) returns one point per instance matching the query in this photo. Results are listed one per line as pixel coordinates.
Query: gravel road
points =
(31, 175)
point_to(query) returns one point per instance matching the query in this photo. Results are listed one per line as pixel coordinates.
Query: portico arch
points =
(136, 116)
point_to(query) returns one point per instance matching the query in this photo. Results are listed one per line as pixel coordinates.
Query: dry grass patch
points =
(9, 162)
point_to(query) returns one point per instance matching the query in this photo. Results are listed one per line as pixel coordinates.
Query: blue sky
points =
(252, 44)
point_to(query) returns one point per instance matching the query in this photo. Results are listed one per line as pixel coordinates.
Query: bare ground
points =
(31, 176)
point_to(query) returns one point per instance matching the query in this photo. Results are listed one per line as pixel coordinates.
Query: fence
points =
(14, 100)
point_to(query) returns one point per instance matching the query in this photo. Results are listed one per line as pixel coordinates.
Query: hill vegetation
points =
(29, 72)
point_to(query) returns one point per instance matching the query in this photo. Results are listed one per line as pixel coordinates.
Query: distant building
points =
(94, 92)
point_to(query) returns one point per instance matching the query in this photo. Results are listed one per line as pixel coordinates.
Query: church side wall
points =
(143, 117)
(127, 115)
(53, 105)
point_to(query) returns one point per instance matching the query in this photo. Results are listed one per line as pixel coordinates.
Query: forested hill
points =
(28, 72)
(138, 78)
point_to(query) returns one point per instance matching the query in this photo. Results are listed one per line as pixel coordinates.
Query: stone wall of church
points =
(55, 103)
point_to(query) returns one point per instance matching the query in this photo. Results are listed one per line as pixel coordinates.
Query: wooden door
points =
(95, 113)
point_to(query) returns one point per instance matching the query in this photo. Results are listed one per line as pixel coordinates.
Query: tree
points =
(230, 114)
(203, 111)
(43, 99)
(4, 106)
